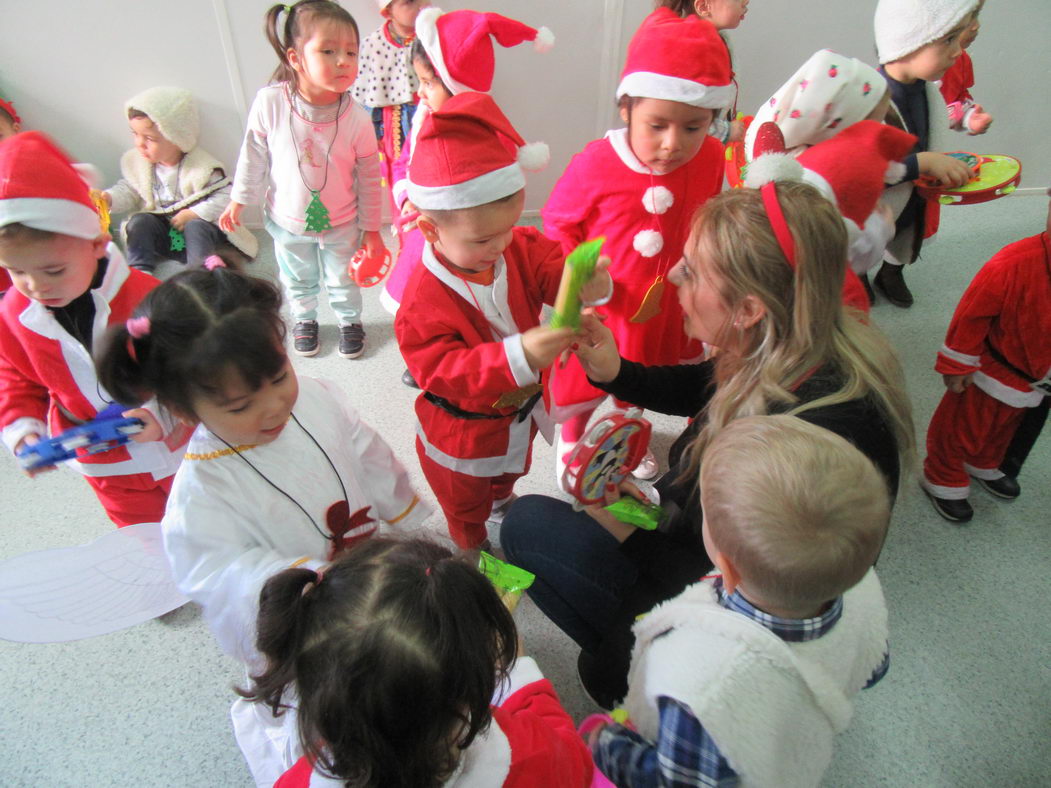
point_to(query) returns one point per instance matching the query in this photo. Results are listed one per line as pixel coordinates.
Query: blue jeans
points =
(582, 576)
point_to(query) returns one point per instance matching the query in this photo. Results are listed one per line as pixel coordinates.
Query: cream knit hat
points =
(903, 26)
(172, 111)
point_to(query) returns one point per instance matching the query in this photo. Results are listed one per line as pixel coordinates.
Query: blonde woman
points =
(761, 280)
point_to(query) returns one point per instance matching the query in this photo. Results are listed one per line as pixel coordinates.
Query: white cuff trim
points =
(14, 432)
(516, 360)
(988, 474)
(948, 493)
(961, 358)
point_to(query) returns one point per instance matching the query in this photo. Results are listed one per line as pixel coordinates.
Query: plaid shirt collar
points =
(792, 630)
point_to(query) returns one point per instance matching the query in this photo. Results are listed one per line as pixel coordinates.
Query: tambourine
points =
(368, 271)
(606, 455)
(736, 161)
(997, 176)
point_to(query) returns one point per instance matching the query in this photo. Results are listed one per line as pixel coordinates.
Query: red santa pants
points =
(132, 499)
(968, 436)
(467, 500)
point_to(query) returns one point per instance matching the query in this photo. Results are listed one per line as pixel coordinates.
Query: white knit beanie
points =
(903, 26)
(172, 111)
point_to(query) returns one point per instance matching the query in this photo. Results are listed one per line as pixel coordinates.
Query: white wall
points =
(71, 74)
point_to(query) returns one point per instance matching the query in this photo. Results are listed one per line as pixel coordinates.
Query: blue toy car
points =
(106, 431)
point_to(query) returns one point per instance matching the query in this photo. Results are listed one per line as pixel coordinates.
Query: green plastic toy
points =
(632, 511)
(178, 240)
(580, 265)
(509, 580)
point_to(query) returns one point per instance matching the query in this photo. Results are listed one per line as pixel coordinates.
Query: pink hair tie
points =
(213, 261)
(777, 221)
(138, 327)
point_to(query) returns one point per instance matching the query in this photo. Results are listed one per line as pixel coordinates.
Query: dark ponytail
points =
(300, 19)
(202, 325)
(394, 654)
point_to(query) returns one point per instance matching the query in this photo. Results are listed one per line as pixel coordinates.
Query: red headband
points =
(777, 221)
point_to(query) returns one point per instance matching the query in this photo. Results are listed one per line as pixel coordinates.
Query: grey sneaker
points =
(304, 338)
(351, 340)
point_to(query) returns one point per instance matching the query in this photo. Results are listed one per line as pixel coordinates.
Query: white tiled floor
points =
(965, 703)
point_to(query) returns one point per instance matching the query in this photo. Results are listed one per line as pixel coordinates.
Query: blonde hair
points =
(799, 511)
(805, 325)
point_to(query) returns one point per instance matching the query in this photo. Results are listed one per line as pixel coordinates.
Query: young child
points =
(640, 186)
(964, 113)
(10, 123)
(395, 653)
(386, 84)
(725, 15)
(917, 42)
(468, 325)
(309, 151)
(748, 674)
(452, 54)
(174, 190)
(280, 471)
(996, 363)
(69, 284)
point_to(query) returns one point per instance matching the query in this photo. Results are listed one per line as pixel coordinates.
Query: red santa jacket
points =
(456, 353)
(958, 80)
(1007, 306)
(532, 742)
(42, 366)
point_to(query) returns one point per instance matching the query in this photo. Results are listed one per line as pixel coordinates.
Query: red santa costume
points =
(531, 742)
(47, 376)
(1000, 334)
(955, 88)
(645, 216)
(461, 335)
(460, 47)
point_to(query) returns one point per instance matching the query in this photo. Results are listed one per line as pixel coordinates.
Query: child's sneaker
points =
(351, 340)
(304, 338)
(648, 468)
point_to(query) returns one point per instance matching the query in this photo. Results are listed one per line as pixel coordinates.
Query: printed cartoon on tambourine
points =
(992, 177)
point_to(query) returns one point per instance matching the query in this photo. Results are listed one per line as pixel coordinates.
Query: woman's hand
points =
(596, 348)
(619, 530)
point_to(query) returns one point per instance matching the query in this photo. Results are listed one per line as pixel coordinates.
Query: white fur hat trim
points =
(657, 199)
(772, 167)
(648, 243)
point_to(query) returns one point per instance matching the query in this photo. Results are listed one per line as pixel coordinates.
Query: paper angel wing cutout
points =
(119, 580)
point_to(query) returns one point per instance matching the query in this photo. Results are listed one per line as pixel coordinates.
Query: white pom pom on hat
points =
(534, 156)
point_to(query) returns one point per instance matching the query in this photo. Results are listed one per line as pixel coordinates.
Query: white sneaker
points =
(647, 469)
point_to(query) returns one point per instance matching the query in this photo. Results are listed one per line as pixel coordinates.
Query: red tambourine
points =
(606, 455)
(997, 176)
(368, 271)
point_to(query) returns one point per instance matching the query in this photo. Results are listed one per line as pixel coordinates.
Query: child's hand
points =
(596, 348)
(980, 121)
(593, 735)
(151, 428)
(108, 198)
(373, 243)
(29, 440)
(947, 171)
(599, 287)
(957, 383)
(230, 219)
(183, 218)
(737, 132)
(543, 344)
(406, 209)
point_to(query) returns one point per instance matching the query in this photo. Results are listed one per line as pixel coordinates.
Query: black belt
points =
(521, 414)
(998, 356)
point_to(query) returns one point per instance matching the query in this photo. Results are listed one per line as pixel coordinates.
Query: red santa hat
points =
(460, 44)
(678, 59)
(851, 169)
(468, 154)
(9, 108)
(40, 189)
